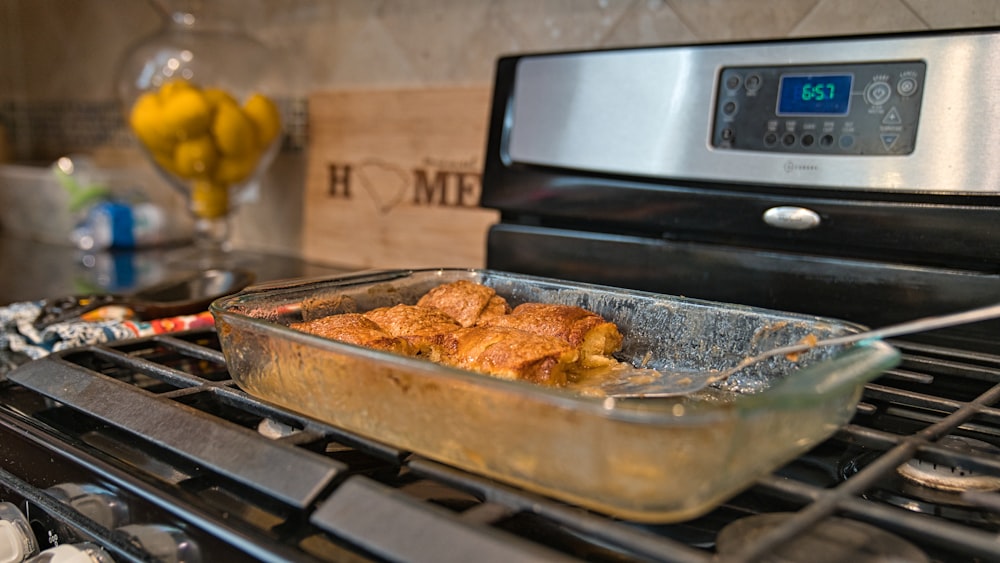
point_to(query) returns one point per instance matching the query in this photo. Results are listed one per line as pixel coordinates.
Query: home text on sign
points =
(436, 183)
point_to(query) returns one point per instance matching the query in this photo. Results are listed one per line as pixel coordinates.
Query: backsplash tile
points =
(558, 24)
(647, 23)
(52, 49)
(841, 18)
(956, 13)
(719, 20)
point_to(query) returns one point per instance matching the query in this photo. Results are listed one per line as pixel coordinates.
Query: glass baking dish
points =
(649, 460)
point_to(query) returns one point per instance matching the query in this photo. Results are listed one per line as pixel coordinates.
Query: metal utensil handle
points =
(909, 327)
(66, 308)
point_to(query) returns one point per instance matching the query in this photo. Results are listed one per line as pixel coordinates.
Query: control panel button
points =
(842, 109)
(889, 139)
(878, 93)
(892, 117)
(906, 86)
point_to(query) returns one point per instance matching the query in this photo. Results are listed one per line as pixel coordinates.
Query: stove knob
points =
(85, 552)
(163, 543)
(92, 501)
(17, 541)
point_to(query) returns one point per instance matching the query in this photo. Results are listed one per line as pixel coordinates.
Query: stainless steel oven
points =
(849, 177)
(855, 177)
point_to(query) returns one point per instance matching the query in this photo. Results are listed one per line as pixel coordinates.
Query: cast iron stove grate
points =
(158, 424)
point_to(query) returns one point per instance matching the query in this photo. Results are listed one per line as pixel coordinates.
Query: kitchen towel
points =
(21, 341)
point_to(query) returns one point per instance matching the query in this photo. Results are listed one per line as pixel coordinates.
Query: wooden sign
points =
(394, 178)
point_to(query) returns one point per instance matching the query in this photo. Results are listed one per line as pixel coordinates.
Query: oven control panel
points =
(842, 109)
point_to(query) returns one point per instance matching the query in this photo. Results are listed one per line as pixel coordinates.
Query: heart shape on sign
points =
(384, 182)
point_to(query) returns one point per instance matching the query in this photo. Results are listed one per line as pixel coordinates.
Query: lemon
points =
(205, 135)
(209, 200)
(265, 116)
(186, 113)
(172, 87)
(233, 131)
(218, 96)
(235, 169)
(145, 120)
(166, 162)
(196, 158)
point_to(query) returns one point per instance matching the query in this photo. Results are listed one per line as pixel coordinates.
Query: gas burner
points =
(927, 496)
(953, 479)
(834, 539)
(942, 504)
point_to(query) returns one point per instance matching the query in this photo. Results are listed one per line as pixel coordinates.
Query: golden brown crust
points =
(595, 338)
(467, 325)
(509, 354)
(420, 326)
(496, 307)
(355, 328)
(465, 301)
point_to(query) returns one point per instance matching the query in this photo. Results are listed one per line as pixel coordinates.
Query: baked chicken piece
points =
(421, 326)
(594, 338)
(467, 302)
(509, 353)
(355, 328)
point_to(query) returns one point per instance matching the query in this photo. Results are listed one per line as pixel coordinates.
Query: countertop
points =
(32, 270)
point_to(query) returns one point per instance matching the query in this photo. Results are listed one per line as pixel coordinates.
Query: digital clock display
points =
(815, 94)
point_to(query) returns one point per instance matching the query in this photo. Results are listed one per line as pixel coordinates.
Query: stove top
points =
(147, 447)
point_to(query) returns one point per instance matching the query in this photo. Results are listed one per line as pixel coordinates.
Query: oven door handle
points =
(792, 218)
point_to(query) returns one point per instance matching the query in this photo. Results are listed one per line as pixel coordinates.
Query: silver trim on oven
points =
(648, 112)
